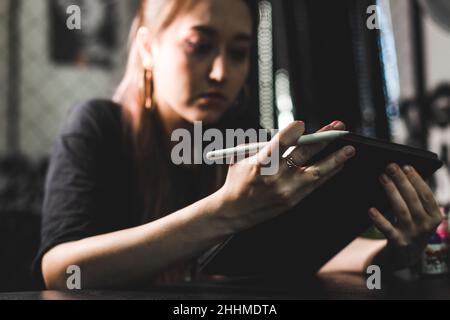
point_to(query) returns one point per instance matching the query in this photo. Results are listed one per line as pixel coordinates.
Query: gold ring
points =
(291, 163)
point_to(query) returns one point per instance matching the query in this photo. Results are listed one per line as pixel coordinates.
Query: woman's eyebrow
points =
(211, 32)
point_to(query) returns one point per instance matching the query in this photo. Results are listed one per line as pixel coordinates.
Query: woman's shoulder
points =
(94, 117)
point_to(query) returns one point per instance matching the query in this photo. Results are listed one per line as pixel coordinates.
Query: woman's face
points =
(201, 61)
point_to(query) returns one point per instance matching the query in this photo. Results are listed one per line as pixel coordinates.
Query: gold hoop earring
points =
(148, 89)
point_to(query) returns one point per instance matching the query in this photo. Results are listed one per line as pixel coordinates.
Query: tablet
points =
(299, 242)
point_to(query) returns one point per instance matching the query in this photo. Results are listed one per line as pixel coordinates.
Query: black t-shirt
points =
(92, 186)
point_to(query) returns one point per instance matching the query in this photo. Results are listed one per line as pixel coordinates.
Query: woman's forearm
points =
(134, 255)
(361, 253)
(357, 256)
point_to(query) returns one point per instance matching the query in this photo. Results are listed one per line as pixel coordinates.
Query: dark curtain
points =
(334, 63)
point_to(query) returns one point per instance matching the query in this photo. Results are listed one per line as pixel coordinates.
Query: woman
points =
(116, 206)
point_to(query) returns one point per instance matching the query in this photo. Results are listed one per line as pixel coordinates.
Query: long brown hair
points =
(142, 124)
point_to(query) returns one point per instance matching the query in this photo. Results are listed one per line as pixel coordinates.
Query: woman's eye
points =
(239, 55)
(199, 48)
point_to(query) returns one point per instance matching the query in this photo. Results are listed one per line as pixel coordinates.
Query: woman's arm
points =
(356, 257)
(127, 257)
(247, 198)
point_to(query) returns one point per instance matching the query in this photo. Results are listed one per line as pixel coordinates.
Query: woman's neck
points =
(171, 121)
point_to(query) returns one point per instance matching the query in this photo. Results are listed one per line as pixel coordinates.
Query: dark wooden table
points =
(331, 286)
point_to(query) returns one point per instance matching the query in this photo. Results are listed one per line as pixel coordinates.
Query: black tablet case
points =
(302, 240)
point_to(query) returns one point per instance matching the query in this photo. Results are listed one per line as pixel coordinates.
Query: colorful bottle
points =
(446, 227)
(434, 258)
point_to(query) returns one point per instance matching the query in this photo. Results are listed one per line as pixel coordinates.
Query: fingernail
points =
(373, 213)
(349, 152)
(392, 169)
(407, 169)
(384, 179)
(336, 124)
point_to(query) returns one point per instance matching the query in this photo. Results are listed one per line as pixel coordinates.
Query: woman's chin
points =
(209, 117)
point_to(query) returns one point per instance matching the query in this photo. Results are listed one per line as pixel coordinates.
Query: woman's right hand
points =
(250, 198)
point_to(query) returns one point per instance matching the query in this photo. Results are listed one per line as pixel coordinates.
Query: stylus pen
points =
(252, 149)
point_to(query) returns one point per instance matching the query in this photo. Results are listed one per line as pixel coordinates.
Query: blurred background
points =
(382, 66)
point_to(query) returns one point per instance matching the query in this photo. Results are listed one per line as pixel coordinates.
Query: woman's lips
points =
(213, 97)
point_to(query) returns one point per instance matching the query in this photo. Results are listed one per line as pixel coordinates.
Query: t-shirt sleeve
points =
(75, 185)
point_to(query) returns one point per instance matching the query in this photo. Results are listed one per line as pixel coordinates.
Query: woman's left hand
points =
(416, 212)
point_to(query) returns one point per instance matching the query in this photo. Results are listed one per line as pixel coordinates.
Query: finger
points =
(398, 205)
(384, 225)
(282, 141)
(407, 192)
(424, 192)
(241, 158)
(336, 125)
(323, 169)
(301, 155)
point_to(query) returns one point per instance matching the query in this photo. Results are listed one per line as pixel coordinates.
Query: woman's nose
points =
(219, 69)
